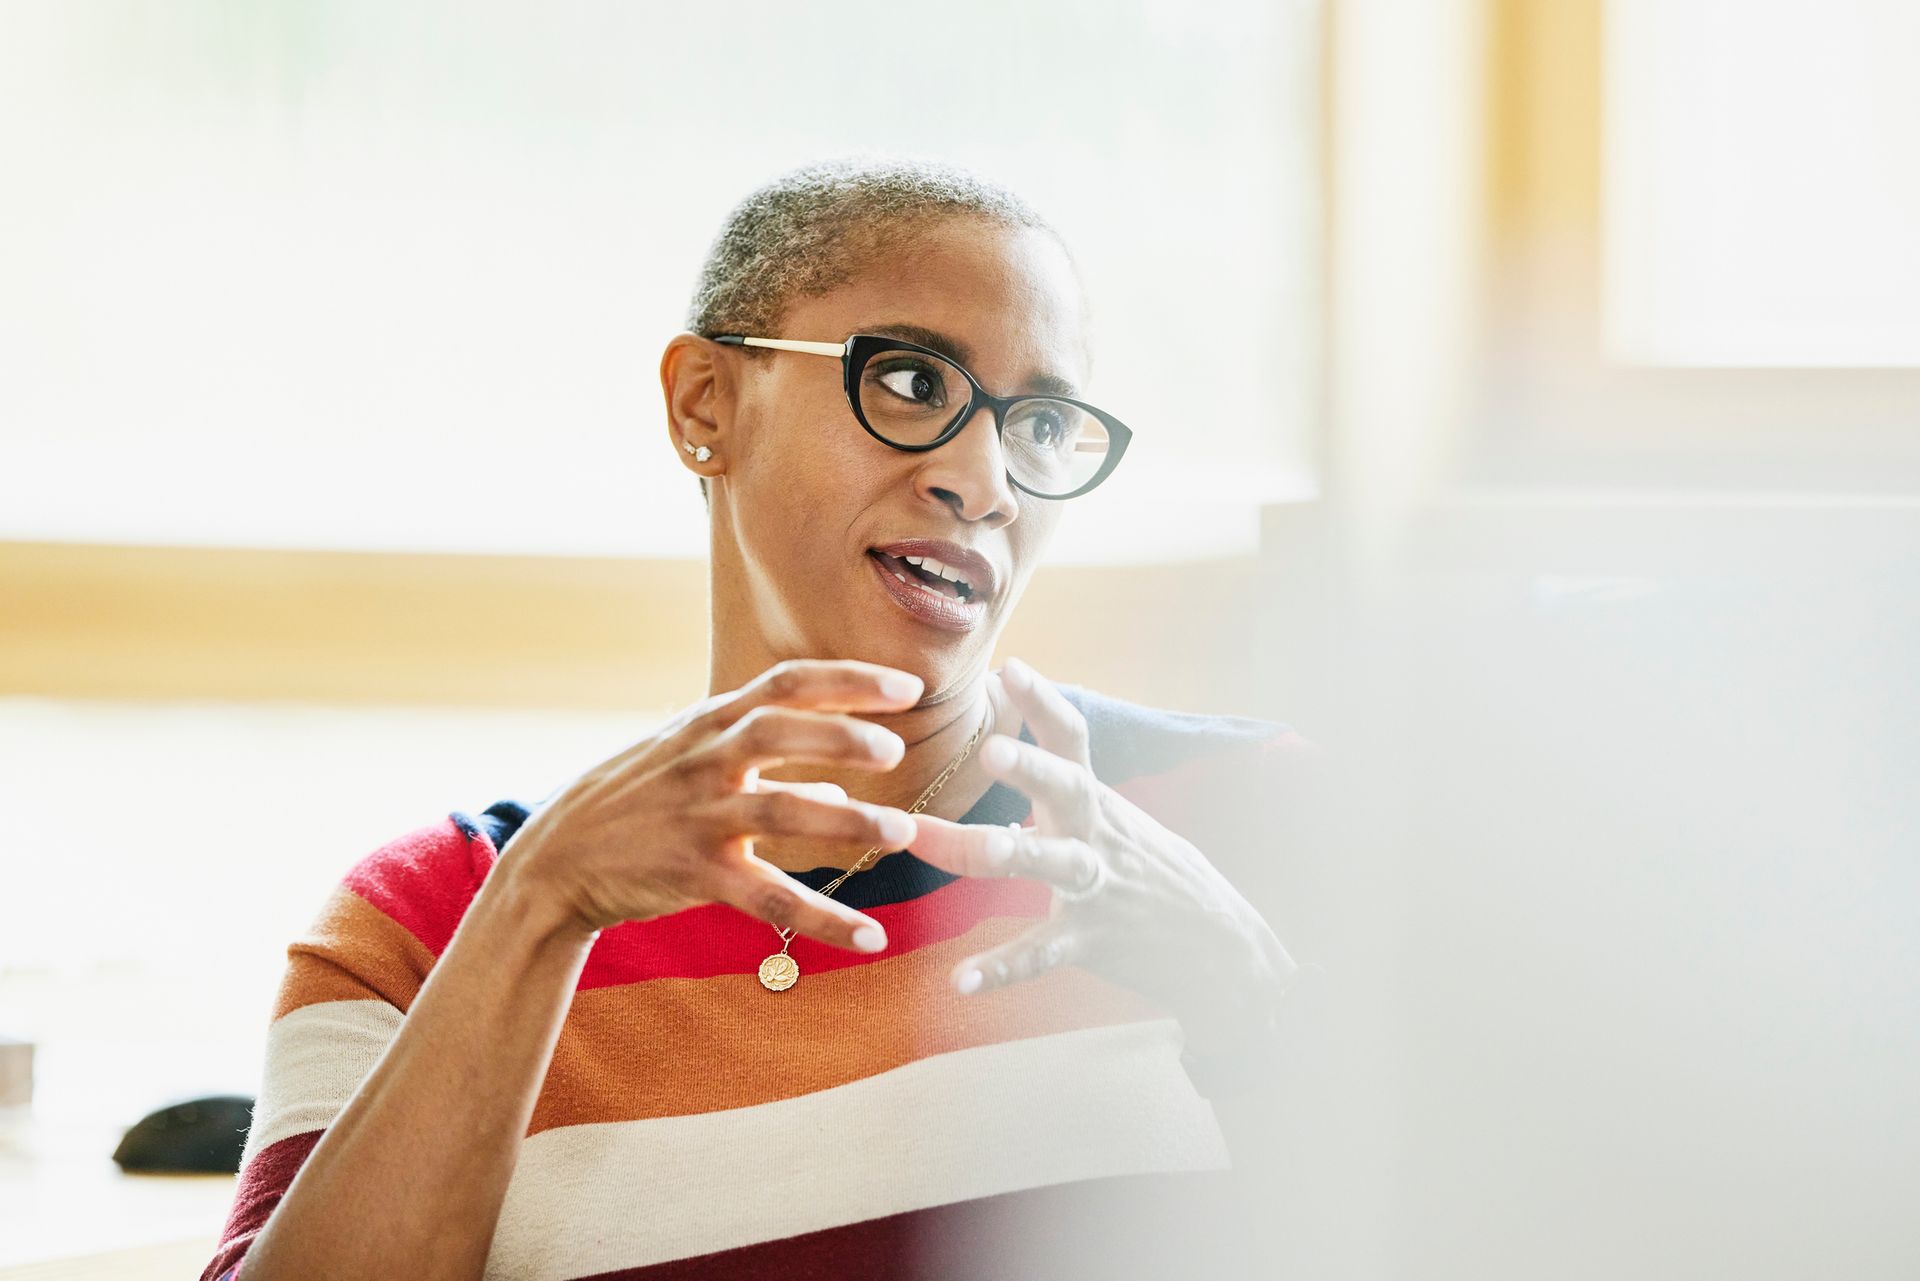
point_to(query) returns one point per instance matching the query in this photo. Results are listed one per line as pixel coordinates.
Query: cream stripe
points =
(587, 1199)
(317, 1056)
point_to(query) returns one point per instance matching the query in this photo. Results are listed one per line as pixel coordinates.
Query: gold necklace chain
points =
(780, 971)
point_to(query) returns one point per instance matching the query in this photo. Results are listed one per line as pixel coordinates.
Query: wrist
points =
(536, 913)
(1232, 1055)
(1230, 999)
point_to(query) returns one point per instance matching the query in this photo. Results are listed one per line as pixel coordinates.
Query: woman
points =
(650, 1028)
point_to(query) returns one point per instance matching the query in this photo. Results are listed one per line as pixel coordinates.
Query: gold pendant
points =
(778, 972)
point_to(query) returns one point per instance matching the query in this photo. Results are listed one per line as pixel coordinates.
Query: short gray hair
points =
(810, 229)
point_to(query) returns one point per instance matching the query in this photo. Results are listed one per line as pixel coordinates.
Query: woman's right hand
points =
(670, 822)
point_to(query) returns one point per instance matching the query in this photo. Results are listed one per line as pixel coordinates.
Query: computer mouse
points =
(197, 1136)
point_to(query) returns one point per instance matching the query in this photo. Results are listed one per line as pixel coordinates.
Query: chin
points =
(942, 667)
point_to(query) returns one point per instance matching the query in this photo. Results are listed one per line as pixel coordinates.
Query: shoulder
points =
(1237, 786)
(1131, 742)
(425, 879)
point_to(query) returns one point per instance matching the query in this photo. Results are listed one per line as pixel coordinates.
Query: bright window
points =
(1763, 182)
(342, 275)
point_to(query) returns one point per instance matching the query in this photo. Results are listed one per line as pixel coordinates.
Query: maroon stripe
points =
(1155, 1226)
(1136, 1226)
(262, 1183)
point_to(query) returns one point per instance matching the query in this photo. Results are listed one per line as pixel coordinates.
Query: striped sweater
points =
(868, 1122)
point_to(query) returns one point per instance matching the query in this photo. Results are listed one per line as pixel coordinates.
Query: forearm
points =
(409, 1179)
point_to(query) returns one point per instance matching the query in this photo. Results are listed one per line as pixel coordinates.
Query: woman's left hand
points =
(1132, 900)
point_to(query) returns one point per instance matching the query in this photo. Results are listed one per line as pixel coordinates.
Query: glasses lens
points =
(1052, 446)
(910, 397)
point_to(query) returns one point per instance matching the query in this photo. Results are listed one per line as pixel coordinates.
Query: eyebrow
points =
(959, 353)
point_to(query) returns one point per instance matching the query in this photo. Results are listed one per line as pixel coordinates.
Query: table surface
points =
(111, 1046)
(63, 1198)
(169, 1262)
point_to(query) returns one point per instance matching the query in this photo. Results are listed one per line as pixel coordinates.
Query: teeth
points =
(940, 568)
(911, 581)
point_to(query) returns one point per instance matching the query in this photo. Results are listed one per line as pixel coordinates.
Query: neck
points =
(744, 644)
(934, 734)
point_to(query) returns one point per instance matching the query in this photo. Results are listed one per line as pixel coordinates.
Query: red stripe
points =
(261, 1185)
(426, 880)
(714, 939)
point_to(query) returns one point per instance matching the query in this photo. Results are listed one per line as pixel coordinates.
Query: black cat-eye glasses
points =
(914, 398)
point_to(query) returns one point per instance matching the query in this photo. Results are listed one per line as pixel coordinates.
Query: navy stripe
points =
(1125, 740)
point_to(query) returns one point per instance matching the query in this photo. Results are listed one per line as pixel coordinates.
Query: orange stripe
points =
(672, 1047)
(353, 952)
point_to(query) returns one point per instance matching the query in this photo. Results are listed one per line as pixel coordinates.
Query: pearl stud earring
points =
(700, 455)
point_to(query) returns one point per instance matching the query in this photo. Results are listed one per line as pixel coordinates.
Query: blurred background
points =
(1527, 397)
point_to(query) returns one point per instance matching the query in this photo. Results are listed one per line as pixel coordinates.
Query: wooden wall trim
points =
(243, 624)
(102, 621)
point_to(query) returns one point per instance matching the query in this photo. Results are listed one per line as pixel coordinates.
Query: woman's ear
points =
(694, 376)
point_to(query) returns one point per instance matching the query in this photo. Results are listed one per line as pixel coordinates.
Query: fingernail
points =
(997, 753)
(900, 685)
(967, 982)
(896, 827)
(1016, 671)
(870, 938)
(885, 742)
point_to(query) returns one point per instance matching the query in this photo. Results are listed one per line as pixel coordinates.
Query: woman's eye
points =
(916, 383)
(1046, 428)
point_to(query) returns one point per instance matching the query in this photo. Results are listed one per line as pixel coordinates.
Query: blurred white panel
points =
(345, 275)
(1636, 783)
(1763, 182)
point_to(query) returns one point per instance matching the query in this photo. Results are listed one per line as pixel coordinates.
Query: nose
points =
(968, 474)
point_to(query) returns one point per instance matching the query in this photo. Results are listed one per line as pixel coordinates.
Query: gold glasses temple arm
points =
(834, 349)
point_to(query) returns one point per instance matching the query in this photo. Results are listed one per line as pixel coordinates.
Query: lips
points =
(928, 604)
(935, 558)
